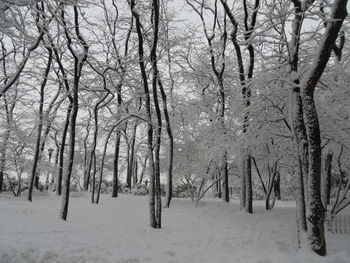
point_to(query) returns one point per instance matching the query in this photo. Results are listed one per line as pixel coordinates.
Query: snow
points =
(117, 230)
(294, 76)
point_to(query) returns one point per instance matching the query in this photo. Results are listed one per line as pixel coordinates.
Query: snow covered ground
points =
(117, 230)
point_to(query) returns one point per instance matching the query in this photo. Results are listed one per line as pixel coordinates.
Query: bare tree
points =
(41, 107)
(245, 79)
(219, 74)
(79, 60)
(315, 217)
(153, 154)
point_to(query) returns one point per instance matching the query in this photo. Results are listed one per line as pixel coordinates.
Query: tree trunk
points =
(78, 65)
(116, 164)
(328, 177)
(299, 145)
(54, 175)
(169, 186)
(135, 176)
(9, 116)
(153, 222)
(62, 147)
(315, 218)
(4, 143)
(130, 171)
(92, 157)
(277, 186)
(48, 120)
(142, 174)
(225, 186)
(86, 162)
(102, 165)
(246, 181)
(93, 180)
(249, 187)
(40, 125)
(155, 73)
(66, 185)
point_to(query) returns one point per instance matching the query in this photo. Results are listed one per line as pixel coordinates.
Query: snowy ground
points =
(117, 230)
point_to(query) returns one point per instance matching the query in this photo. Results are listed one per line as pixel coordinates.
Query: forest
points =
(237, 103)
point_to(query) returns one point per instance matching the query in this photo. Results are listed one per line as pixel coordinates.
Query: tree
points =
(79, 61)
(308, 84)
(245, 79)
(40, 124)
(219, 74)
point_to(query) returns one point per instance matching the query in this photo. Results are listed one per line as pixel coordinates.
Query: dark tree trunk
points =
(277, 186)
(102, 165)
(219, 192)
(225, 182)
(33, 176)
(48, 119)
(116, 164)
(1, 180)
(54, 176)
(155, 73)
(117, 142)
(92, 157)
(169, 186)
(143, 169)
(78, 65)
(86, 154)
(62, 147)
(135, 177)
(93, 179)
(130, 172)
(246, 198)
(249, 187)
(328, 179)
(67, 177)
(153, 221)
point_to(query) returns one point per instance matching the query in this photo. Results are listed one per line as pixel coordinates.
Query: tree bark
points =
(48, 120)
(40, 125)
(277, 186)
(158, 130)
(102, 165)
(116, 164)
(92, 157)
(153, 222)
(308, 84)
(135, 176)
(243, 181)
(3, 149)
(142, 174)
(130, 172)
(315, 217)
(246, 180)
(299, 131)
(78, 64)
(62, 147)
(226, 196)
(86, 174)
(328, 177)
(249, 187)
(169, 186)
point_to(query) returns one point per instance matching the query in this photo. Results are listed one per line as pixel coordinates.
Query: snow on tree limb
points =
(312, 76)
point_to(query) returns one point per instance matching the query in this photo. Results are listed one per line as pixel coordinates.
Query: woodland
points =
(233, 100)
